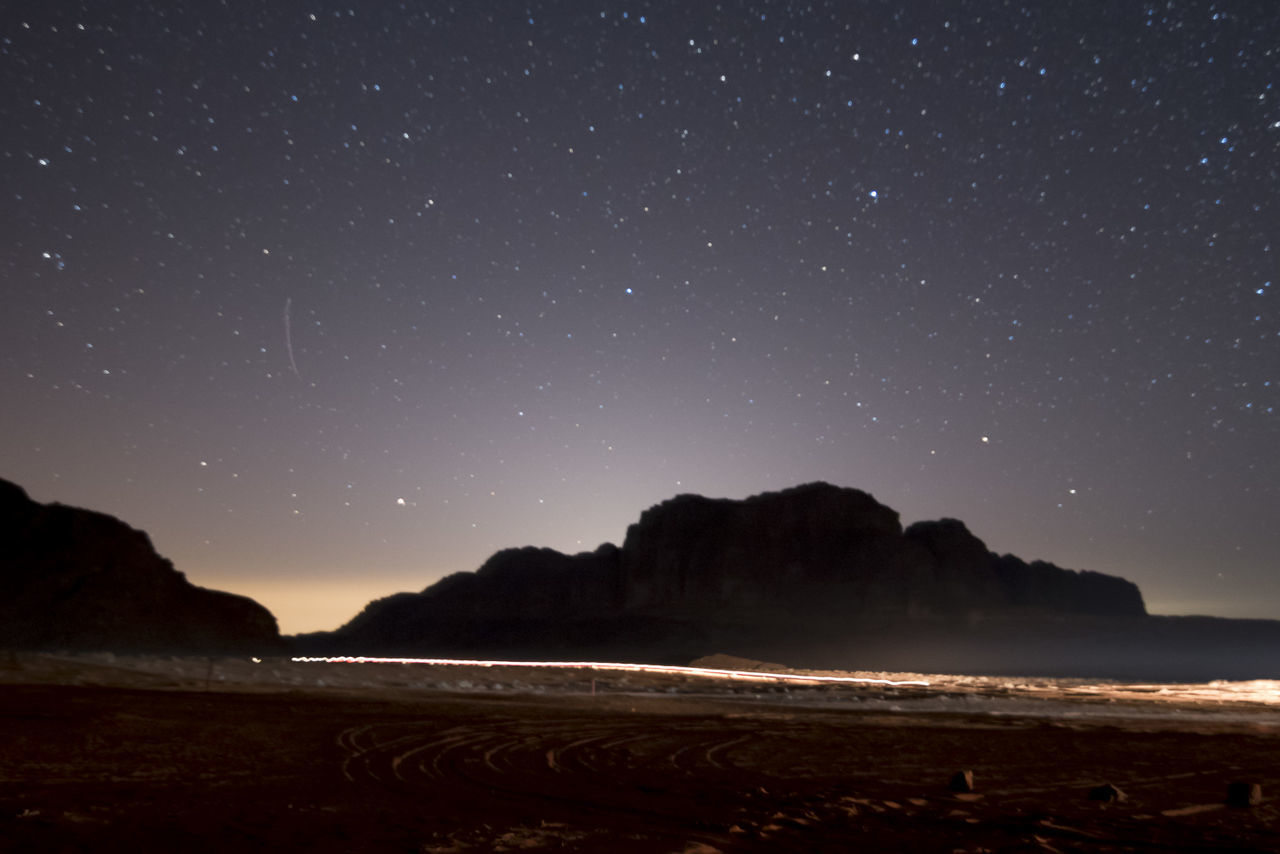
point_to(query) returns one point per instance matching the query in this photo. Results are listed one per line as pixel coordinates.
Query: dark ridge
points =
(816, 575)
(74, 579)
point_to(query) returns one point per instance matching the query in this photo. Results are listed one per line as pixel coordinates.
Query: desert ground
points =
(106, 753)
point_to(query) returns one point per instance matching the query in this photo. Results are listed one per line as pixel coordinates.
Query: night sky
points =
(334, 300)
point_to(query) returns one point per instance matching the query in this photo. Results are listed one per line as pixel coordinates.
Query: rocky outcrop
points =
(518, 596)
(811, 546)
(77, 579)
(967, 577)
(820, 549)
(815, 560)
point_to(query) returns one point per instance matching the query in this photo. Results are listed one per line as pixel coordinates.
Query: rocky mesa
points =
(816, 576)
(810, 563)
(78, 579)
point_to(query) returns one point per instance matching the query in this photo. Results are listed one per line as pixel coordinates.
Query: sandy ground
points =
(99, 753)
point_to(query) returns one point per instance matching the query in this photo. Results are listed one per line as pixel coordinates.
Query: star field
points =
(334, 300)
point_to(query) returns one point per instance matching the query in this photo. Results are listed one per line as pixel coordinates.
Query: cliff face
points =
(965, 576)
(821, 548)
(781, 549)
(76, 579)
(816, 557)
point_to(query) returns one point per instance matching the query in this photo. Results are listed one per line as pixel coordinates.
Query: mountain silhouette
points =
(816, 572)
(74, 579)
(816, 576)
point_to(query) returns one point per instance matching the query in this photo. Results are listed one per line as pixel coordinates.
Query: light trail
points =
(671, 670)
(288, 338)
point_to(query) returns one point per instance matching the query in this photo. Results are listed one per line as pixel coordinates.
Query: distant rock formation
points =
(829, 549)
(816, 560)
(77, 579)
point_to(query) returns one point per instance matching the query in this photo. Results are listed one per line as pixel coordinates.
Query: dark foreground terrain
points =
(94, 758)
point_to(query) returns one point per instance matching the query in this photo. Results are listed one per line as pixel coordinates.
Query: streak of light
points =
(675, 670)
(288, 338)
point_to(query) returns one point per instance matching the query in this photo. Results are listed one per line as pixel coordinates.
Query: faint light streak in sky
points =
(288, 337)
(711, 672)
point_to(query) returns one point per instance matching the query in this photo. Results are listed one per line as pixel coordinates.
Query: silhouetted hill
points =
(819, 548)
(804, 568)
(77, 579)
